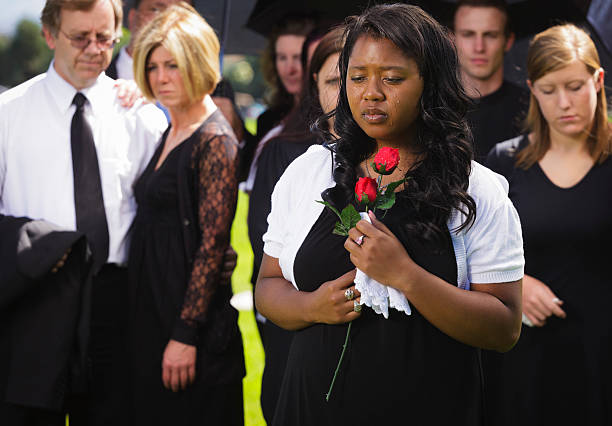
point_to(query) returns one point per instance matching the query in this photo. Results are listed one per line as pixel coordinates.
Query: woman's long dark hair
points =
(437, 183)
(278, 98)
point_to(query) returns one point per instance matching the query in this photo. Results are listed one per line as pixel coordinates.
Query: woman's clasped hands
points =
(334, 302)
(377, 252)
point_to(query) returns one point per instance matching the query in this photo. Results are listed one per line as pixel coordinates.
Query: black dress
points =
(160, 278)
(275, 156)
(400, 370)
(560, 373)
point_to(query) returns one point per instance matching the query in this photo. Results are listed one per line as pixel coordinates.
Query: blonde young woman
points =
(186, 358)
(560, 176)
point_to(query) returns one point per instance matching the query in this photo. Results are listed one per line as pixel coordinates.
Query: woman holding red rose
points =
(186, 360)
(451, 243)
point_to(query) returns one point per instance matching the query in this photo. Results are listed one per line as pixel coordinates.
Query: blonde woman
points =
(560, 176)
(185, 346)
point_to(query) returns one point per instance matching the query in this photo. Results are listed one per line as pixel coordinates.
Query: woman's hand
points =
(378, 253)
(178, 365)
(330, 305)
(230, 259)
(127, 92)
(279, 301)
(539, 302)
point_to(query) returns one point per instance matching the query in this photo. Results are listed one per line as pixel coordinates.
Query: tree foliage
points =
(23, 55)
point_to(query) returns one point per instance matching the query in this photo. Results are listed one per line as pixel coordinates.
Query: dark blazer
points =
(44, 316)
(111, 71)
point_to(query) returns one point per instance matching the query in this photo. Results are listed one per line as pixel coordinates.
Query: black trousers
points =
(15, 415)
(106, 401)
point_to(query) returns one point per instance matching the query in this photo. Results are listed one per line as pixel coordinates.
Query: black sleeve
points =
(501, 158)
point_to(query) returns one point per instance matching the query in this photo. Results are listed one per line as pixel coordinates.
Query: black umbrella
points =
(266, 14)
(528, 17)
(228, 18)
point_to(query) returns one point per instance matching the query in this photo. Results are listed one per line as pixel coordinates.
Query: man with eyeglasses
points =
(69, 154)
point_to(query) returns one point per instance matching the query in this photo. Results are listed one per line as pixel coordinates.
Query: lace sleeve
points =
(216, 164)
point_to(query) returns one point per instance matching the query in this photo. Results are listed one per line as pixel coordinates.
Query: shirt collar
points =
(124, 64)
(63, 92)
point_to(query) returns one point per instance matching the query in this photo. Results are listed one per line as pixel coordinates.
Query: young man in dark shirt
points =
(482, 35)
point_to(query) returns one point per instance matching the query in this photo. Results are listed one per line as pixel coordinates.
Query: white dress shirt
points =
(125, 65)
(36, 178)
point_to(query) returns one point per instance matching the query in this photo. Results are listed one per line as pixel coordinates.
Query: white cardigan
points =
(490, 251)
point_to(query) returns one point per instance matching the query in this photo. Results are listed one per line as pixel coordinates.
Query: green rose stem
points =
(348, 331)
(385, 198)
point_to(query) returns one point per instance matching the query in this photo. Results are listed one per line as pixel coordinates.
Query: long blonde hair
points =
(551, 50)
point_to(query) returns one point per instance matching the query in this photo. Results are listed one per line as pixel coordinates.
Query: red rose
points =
(365, 190)
(386, 160)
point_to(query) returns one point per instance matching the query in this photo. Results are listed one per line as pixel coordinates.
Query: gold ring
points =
(349, 294)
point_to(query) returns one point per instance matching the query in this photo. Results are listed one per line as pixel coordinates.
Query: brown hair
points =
(497, 4)
(279, 97)
(549, 51)
(50, 16)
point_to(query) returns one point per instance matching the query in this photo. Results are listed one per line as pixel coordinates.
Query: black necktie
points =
(88, 201)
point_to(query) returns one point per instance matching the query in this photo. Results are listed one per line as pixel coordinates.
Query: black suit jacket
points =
(111, 71)
(44, 316)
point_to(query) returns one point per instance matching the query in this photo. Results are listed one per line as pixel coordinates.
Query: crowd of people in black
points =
(119, 179)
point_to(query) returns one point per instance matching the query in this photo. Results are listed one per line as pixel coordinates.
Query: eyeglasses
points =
(82, 42)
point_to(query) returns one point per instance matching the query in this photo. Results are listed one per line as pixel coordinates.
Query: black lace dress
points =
(396, 371)
(175, 292)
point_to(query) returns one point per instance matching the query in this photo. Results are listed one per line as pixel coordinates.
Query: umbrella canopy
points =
(527, 17)
(267, 13)
(228, 18)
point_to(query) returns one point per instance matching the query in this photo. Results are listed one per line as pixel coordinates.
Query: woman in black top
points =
(319, 96)
(560, 176)
(399, 88)
(186, 358)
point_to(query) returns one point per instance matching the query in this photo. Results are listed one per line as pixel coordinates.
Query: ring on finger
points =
(356, 306)
(556, 300)
(349, 294)
(359, 240)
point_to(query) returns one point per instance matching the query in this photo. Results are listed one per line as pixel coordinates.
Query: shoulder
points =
(216, 125)
(486, 186)
(215, 134)
(312, 171)
(315, 159)
(502, 156)
(513, 88)
(142, 116)
(22, 92)
(515, 96)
